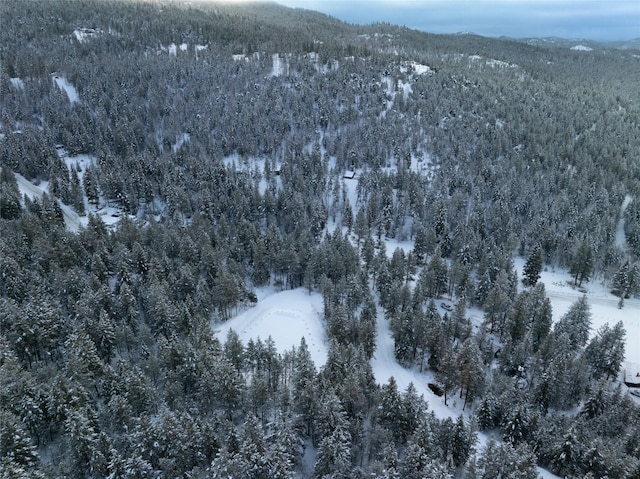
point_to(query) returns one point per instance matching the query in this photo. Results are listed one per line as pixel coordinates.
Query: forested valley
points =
(239, 147)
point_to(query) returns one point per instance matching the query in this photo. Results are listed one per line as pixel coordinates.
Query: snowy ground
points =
(286, 316)
(73, 222)
(69, 89)
(604, 305)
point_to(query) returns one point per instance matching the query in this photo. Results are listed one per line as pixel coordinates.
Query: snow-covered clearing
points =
(199, 48)
(604, 305)
(68, 88)
(405, 88)
(499, 64)
(286, 316)
(173, 48)
(418, 68)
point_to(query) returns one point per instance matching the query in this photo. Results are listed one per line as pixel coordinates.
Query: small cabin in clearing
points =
(632, 375)
(350, 174)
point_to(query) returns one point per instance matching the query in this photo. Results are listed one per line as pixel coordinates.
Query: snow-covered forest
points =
(247, 241)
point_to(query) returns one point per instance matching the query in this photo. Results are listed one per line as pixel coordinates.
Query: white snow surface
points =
(604, 305)
(83, 34)
(185, 137)
(69, 89)
(582, 48)
(72, 221)
(286, 316)
(79, 162)
(621, 240)
(499, 64)
(416, 68)
(17, 83)
(280, 65)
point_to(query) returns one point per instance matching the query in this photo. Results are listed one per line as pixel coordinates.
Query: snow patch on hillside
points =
(17, 83)
(621, 239)
(417, 68)
(492, 62)
(67, 87)
(84, 34)
(499, 64)
(199, 48)
(182, 139)
(280, 66)
(405, 88)
(582, 48)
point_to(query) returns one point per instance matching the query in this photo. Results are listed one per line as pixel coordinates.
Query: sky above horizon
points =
(598, 20)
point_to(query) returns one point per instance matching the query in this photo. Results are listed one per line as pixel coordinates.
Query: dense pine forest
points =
(186, 156)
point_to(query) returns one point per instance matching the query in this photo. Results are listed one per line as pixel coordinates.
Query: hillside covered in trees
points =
(161, 162)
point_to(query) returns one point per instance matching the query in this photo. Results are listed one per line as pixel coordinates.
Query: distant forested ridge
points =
(241, 146)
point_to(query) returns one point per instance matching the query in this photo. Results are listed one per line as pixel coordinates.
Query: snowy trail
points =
(72, 221)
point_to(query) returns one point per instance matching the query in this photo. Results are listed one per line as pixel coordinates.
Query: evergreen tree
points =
(18, 456)
(471, 371)
(305, 388)
(567, 454)
(621, 281)
(575, 324)
(532, 267)
(10, 207)
(605, 352)
(334, 455)
(502, 460)
(390, 411)
(581, 265)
